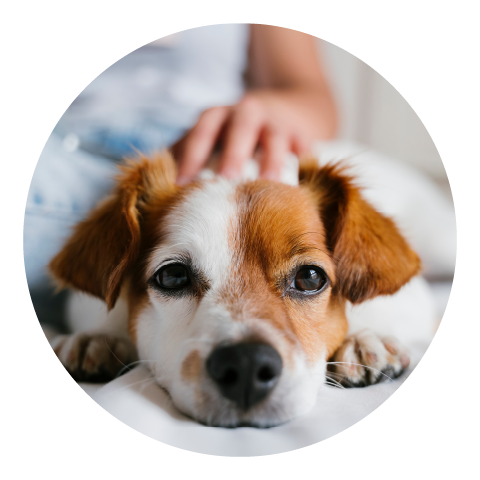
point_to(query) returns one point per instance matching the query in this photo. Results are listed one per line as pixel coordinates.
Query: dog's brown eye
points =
(173, 276)
(309, 279)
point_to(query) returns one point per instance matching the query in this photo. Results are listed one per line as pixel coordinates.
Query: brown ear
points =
(371, 255)
(102, 247)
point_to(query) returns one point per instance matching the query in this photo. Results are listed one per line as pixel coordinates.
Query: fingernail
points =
(272, 176)
(230, 173)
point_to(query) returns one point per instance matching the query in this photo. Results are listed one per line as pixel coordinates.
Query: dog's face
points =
(236, 290)
(238, 284)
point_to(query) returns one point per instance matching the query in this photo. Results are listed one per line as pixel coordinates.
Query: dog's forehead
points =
(276, 222)
(218, 221)
(198, 226)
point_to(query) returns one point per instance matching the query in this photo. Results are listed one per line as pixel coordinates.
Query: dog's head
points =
(236, 290)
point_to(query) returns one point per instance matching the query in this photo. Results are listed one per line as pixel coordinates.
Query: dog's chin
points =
(235, 419)
(225, 414)
(252, 424)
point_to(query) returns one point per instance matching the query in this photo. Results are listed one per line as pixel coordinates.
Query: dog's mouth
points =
(233, 385)
(245, 385)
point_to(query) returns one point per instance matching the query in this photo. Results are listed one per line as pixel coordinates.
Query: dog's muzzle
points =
(245, 372)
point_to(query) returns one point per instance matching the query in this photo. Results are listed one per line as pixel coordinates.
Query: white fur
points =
(193, 229)
(85, 313)
(394, 315)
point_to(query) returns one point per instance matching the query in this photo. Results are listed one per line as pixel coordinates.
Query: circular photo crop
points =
(239, 240)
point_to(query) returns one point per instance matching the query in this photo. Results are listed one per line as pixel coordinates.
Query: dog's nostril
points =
(265, 374)
(246, 372)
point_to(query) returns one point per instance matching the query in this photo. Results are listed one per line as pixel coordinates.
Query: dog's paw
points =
(94, 357)
(365, 359)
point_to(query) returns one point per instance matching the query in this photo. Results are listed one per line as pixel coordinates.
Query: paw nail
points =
(405, 360)
(372, 358)
(88, 363)
(391, 348)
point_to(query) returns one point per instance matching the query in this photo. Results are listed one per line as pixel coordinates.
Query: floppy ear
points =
(371, 255)
(103, 246)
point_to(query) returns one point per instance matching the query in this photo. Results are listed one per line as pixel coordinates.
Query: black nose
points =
(245, 372)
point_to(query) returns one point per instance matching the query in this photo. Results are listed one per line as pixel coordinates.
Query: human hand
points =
(270, 122)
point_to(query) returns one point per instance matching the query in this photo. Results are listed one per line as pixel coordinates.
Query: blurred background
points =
(151, 97)
(373, 113)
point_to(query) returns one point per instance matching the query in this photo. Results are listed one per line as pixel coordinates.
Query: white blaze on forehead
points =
(199, 227)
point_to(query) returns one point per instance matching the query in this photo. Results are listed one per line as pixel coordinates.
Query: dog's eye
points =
(173, 276)
(309, 279)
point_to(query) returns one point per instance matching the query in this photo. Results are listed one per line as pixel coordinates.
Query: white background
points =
(428, 50)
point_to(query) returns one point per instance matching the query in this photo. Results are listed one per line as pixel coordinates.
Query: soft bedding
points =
(427, 218)
(138, 402)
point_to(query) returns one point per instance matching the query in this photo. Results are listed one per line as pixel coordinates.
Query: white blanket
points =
(428, 220)
(138, 402)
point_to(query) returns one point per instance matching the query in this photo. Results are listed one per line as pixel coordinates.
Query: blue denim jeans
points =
(67, 183)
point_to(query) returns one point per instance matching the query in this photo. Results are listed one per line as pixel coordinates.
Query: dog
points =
(234, 293)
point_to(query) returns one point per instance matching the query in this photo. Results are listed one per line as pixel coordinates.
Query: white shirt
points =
(169, 81)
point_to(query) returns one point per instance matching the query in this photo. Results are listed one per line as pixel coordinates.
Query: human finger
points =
(198, 144)
(301, 145)
(241, 137)
(275, 145)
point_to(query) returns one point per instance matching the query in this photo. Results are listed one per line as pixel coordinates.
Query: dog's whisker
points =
(361, 365)
(130, 364)
(334, 386)
(143, 382)
(338, 384)
(336, 374)
(111, 351)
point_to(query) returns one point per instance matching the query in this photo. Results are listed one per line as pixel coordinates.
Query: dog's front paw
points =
(94, 357)
(365, 359)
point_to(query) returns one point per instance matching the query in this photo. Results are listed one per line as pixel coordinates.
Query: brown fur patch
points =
(321, 327)
(279, 230)
(138, 301)
(102, 247)
(371, 256)
(192, 366)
